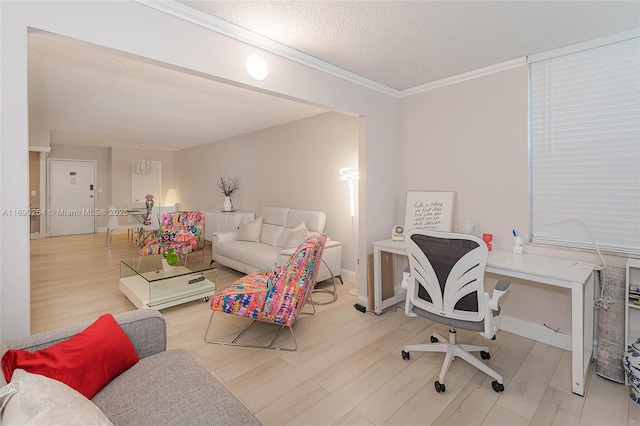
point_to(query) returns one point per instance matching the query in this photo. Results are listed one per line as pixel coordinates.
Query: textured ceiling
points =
(404, 44)
(86, 95)
(89, 96)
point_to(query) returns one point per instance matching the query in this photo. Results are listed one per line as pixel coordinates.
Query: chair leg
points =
(459, 352)
(334, 293)
(448, 358)
(206, 333)
(453, 349)
(313, 305)
(234, 342)
(107, 242)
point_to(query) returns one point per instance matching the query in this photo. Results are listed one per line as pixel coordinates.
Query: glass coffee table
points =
(147, 285)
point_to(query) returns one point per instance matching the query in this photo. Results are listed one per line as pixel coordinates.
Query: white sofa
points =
(271, 250)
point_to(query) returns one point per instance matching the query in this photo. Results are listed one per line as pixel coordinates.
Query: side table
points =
(219, 221)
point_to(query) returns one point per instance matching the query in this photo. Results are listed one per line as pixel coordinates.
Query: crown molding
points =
(225, 28)
(197, 17)
(585, 45)
(480, 72)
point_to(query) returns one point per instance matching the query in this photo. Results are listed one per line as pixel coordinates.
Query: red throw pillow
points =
(86, 362)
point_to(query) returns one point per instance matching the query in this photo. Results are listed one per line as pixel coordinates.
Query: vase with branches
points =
(228, 186)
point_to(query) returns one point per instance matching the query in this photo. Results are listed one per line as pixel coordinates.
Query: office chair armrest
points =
(406, 281)
(406, 275)
(501, 288)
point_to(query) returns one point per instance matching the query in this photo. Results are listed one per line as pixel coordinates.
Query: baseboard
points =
(537, 332)
(348, 275)
(528, 329)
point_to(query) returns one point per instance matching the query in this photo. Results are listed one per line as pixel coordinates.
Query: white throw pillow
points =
(297, 236)
(44, 401)
(270, 234)
(250, 230)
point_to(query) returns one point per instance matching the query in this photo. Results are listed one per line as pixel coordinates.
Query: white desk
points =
(529, 267)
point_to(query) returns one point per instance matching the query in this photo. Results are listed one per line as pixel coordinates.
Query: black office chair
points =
(445, 284)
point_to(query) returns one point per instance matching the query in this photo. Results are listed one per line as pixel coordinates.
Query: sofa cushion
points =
(234, 249)
(314, 220)
(40, 400)
(249, 230)
(296, 236)
(170, 387)
(74, 361)
(270, 234)
(261, 256)
(275, 215)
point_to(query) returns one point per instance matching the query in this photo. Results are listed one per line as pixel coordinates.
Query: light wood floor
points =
(348, 369)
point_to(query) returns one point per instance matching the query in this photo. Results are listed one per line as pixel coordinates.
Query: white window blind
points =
(585, 147)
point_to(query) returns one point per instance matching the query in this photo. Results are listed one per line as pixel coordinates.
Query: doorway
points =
(71, 197)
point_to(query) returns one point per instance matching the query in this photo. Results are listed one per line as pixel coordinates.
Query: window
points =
(585, 145)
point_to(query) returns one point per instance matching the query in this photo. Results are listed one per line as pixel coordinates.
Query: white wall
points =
(472, 138)
(121, 178)
(113, 170)
(293, 165)
(103, 184)
(136, 29)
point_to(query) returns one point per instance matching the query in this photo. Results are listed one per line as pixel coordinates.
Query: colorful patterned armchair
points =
(276, 296)
(183, 231)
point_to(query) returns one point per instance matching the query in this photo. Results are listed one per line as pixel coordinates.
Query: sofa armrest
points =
(146, 328)
(332, 257)
(221, 237)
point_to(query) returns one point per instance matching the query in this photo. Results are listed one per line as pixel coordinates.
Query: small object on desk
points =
(518, 244)
(397, 233)
(488, 238)
(196, 280)
(467, 226)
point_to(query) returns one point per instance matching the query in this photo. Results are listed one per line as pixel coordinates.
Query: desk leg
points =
(377, 281)
(581, 333)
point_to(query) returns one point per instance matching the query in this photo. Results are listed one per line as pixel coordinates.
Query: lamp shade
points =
(170, 198)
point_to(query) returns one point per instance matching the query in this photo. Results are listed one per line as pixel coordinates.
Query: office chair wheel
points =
(405, 355)
(498, 387)
(434, 339)
(485, 355)
(206, 299)
(439, 386)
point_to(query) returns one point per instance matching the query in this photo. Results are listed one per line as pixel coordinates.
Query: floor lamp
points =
(349, 174)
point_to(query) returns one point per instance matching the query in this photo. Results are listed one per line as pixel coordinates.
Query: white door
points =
(71, 207)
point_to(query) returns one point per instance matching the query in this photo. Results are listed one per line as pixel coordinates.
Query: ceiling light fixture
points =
(256, 67)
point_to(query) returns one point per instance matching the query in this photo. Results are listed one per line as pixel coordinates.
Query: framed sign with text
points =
(431, 210)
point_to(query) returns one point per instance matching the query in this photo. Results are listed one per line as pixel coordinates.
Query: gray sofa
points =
(166, 387)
